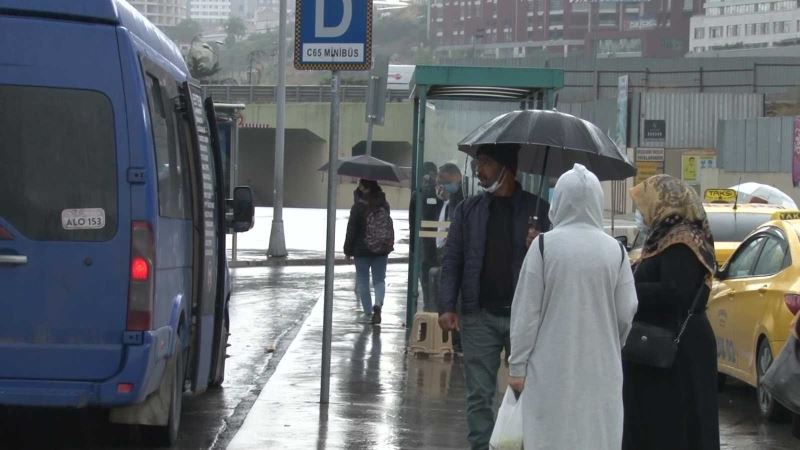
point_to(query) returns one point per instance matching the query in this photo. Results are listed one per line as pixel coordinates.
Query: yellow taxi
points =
(753, 302)
(730, 222)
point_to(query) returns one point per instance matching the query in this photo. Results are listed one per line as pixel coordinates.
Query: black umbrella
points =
(368, 168)
(552, 142)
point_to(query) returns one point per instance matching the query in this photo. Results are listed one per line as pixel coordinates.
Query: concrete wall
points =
(303, 179)
(304, 154)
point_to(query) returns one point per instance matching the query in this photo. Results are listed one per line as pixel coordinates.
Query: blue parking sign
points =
(333, 35)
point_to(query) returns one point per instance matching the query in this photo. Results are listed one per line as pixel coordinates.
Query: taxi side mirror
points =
(721, 274)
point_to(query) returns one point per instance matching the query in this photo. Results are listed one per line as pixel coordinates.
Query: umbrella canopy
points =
(763, 193)
(552, 142)
(368, 168)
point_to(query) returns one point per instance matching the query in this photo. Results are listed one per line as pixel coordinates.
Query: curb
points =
(285, 262)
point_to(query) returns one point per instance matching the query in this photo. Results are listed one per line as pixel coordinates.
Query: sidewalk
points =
(380, 398)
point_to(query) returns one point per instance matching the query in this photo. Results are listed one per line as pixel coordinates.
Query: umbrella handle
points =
(541, 188)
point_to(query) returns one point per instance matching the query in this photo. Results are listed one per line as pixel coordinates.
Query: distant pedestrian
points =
(674, 408)
(486, 244)
(431, 205)
(572, 311)
(370, 239)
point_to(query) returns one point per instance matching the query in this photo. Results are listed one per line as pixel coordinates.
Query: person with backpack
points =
(370, 239)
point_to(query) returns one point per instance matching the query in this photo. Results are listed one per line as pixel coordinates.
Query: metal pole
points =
(416, 260)
(541, 189)
(327, 321)
(277, 240)
(370, 125)
(411, 294)
(233, 162)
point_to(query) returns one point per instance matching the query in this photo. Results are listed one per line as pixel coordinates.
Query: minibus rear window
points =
(58, 169)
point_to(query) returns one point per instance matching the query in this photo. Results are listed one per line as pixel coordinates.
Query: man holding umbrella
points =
(487, 242)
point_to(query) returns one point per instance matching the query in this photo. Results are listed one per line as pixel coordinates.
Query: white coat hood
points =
(577, 199)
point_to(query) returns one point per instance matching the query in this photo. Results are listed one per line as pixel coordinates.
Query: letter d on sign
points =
(321, 31)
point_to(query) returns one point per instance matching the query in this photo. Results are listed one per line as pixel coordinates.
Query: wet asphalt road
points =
(268, 306)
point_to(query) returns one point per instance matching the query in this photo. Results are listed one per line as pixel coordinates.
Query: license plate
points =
(83, 219)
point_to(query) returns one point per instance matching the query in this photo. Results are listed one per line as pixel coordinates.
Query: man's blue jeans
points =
(483, 338)
(377, 265)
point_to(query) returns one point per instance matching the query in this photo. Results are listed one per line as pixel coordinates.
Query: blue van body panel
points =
(93, 10)
(139, 364)
(53, 292)
(96, 45)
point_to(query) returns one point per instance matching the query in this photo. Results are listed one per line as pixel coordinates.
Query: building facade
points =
(210, 10)
(745, 24)
(514, 28)
(163, 13)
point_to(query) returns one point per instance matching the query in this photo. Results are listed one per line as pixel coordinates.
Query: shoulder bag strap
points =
(689, 315)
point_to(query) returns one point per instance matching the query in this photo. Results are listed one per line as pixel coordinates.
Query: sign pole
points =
(277, 240)
(327, 321)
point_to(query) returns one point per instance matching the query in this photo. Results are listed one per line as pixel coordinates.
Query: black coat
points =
(676, 408)
(354, 244)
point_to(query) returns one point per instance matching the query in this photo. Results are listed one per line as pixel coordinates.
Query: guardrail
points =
(295, 94)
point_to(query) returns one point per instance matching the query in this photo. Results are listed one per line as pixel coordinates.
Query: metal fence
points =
(587, 79)
(296, 94)
(756, 145)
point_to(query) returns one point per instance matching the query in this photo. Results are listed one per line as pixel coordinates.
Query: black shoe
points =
(376, 315)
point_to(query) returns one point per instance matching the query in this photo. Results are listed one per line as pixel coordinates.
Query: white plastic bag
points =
(507, 433)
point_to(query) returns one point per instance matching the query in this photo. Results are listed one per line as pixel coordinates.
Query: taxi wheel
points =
(770, 409)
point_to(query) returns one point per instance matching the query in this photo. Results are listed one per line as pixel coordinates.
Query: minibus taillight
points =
(140, 292)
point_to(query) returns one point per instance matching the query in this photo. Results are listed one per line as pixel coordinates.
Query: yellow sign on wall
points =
(692, 164)
(646, 169)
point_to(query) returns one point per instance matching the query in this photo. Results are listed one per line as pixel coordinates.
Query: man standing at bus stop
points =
(488, 238)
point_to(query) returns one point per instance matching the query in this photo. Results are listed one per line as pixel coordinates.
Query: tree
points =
(235, 28)
(184, 32)
(202, 62)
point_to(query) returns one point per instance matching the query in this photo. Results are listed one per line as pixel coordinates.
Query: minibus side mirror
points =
(241, 210)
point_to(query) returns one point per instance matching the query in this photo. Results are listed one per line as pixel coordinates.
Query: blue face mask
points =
(452, 188)
(638, 219)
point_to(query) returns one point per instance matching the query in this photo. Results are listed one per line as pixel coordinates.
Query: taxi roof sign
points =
(786, 215)
(719, 196)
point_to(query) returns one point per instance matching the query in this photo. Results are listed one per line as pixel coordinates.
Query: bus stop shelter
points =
(522, 87)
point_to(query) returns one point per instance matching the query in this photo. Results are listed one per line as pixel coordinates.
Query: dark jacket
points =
(462, 262)
(673, 408)
(354, 244)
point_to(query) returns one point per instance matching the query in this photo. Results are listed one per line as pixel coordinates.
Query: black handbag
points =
(782, 379)
(653, 345)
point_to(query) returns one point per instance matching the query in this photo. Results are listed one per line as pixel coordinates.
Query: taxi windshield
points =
(729, 227)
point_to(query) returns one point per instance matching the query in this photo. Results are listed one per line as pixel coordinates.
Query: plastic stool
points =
(427, 336)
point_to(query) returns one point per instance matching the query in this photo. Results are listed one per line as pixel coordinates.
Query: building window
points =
(733, 30)
(750, 29)
(764, 7)
(714, 11)
(781, 27)
(698, 49)
(763, 28)
(699, 33)
(556, 5)
(715, 32)
(581, 7)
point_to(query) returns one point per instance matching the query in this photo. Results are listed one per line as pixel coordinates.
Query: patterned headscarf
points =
(675, 215)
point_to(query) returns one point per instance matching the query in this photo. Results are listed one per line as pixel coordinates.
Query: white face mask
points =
(496, 185)
(638, 219)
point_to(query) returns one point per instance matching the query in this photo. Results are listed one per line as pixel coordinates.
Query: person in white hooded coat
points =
(571, 313)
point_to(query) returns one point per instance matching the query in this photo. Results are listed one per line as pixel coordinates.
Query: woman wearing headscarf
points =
(572, 311)
(673, 408)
